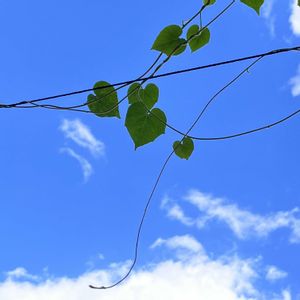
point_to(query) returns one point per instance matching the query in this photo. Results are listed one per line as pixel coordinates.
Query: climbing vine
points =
(144, 120)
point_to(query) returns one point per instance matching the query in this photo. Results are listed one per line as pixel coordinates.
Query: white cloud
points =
(295, 18)
(285, 295)
(86, 167)
(82, 136)
(175, 212)
(243, 223)
(196, 277)
(185, 242)
(268, 15)
(274, 274)
(20, 273)
(267, 8)
(295, 83)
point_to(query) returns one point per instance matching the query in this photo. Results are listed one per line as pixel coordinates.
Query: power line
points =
(143, 79)
(120, 85)
(177, 72)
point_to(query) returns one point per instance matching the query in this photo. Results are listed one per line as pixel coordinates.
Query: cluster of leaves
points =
(144, 122)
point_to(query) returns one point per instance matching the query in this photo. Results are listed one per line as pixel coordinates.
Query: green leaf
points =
(104, 100)
(210, 2)
(149, 95)
(255, 4)
(144, 127)
(298, 2)
(169, 39)
(200, 39)
(133, 93)
(184, 148)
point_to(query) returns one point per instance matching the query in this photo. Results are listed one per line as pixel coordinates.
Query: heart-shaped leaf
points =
(133, 93)
(105, 101)
(184, 148)
(169, 39)
(144, 127)
(197, 41)
(255, 4)
(149, 95)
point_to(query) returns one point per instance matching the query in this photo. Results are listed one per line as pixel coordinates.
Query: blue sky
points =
(224, 224)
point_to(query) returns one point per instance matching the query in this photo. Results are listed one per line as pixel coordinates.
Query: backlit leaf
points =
(144, 127)
(199, 40)
(105, 101)
(149, 95)
(133, 92)
(184, 148)
(169, 39)
(255, 4)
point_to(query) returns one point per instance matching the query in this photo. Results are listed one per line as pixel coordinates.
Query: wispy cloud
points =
(186, 242)
(82, 136)
(286, 295)
(79, 133)
(174, 211)
(268, 15)
(94, 261)
(295, 18)
(195, 277)
(274, 274)
(20, 274)
(295, 83)
(243, 223)
(86, 167)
